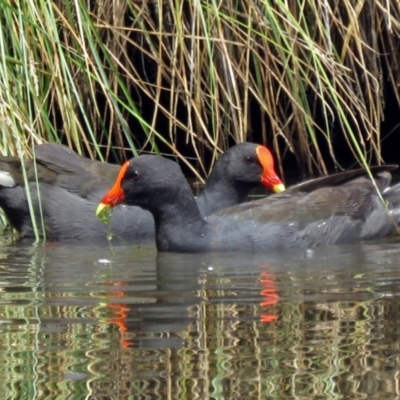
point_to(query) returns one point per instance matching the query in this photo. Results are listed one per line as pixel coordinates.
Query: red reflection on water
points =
(120, 311)
(270, 295)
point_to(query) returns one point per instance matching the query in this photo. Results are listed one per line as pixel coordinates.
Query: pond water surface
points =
(86, 322)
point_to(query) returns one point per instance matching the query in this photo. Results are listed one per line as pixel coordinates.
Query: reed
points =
(190, 78)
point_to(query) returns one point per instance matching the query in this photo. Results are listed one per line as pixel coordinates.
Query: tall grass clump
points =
(189, 78)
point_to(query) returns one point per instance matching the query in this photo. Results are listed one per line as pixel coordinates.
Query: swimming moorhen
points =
(239, 170)
(309, 215)
(71, 186)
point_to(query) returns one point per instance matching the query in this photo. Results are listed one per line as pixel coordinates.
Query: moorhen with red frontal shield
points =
(311, 214)
(71, 186)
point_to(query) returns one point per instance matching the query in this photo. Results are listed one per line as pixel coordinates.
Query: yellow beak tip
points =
(102, 211)
(279, 188)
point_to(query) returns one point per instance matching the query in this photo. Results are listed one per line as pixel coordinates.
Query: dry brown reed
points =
(193, 77)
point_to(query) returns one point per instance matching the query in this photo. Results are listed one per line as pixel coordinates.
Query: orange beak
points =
(115, 195)
(269, 177)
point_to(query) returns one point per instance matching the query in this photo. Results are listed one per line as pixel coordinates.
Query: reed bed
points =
(190, 78)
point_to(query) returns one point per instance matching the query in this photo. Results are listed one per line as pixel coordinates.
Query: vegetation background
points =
(314, 80)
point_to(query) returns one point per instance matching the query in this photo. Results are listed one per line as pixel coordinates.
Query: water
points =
(85, 322)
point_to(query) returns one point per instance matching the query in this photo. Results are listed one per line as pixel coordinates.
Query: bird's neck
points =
(180, 226)
(218, 195)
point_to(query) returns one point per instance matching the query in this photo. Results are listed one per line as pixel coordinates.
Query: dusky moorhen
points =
(309, 215)
(71, 186)
(239, 170)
